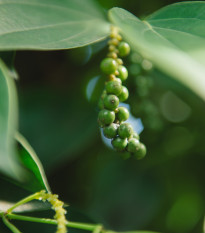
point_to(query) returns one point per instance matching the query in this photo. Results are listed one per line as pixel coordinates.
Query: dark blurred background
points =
(58, 94)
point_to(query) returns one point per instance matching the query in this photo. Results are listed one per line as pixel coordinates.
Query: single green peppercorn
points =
(123, 73)
(119, 80)
(119, 143)
(141, 152)
(124, 94)
(133, 145)
(113, 87)
(136, 135)
(110, 131)
(125, 130)
(106, 117)
(109, 66)
(124, 49)
(111, 102)
(122, 114)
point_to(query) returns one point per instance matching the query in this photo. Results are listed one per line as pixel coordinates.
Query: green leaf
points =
(50, 24)
(173, 38)
(36, 176)
(8, 124)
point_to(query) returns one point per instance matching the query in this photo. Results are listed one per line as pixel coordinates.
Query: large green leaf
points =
(173, 38)
(50, 24)
(36, 176)
(8, 124)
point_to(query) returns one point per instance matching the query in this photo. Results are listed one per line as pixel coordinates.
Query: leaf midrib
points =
(66, 39)
(155, 32)
(48, 26)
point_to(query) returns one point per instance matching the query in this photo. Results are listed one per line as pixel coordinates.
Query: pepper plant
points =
(172, 39)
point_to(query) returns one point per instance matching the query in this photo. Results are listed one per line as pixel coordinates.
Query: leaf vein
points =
(46, 26)
(174, 19)
(183, 32)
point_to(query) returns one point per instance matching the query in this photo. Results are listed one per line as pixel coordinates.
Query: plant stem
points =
(98, 229)
(10, 225)
(23, 201)
(84, 226)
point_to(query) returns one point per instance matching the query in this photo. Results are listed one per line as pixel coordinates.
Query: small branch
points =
(23, 201)
(98, 229)
(83, 226)
(10, 225)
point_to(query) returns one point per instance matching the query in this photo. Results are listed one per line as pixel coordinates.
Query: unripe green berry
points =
(108, 66)
(133, 145)
(122, 114)
(113, 87)
(119, 80)
(123, 73)
(119, 61)
(124, 49)
(110, 131)
(136, 135)
(106, 117)
(111, 102)
(124, 94)
(125, 130)
(141, 152)
(119, 143)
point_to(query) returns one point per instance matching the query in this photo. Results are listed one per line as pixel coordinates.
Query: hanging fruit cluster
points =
(112, 117)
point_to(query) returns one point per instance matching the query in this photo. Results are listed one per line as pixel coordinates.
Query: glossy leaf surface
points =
(173, 38)
(8, 124)
(36, 176)
(50, 24)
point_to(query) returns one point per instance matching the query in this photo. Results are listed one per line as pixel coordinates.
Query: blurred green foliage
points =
(164, 192)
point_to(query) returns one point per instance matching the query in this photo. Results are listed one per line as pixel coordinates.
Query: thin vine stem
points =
(77, 225)
(23, 201)
(95, 228)
(98, 229)
(9, 225)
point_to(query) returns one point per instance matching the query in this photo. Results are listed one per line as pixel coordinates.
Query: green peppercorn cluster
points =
(112, 117)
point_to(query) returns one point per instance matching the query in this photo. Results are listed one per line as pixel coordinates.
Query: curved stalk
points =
(10, 225)
(23, 201)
